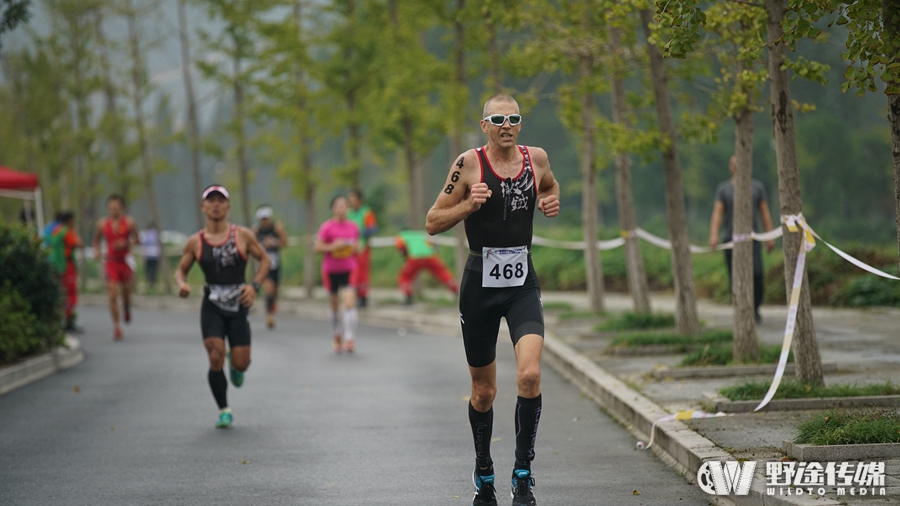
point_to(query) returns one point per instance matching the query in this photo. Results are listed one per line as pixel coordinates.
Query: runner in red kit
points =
(120, 233)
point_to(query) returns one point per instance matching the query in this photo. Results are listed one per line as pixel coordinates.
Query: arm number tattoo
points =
(453, 177)
(459, 163)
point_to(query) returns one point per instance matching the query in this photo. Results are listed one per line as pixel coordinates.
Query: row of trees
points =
(394, 79)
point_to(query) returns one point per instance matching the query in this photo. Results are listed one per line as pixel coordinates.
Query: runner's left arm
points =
(282, 235)
(135, 235)
(548, 187)
(254, 249)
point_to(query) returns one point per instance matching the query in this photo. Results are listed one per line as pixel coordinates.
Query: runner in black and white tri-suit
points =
(496, 189)
(221, 249)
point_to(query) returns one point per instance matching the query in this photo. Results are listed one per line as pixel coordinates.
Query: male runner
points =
(496, 189)
(120, 233)
(272, 236)
(221, 249)
(365, 221)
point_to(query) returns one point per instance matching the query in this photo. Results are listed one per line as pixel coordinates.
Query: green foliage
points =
(722, 354)
(12, 14)
(793, 389)
(629, 320)
(843, 427)
(20, 337)
(29, 295)
(873, 38)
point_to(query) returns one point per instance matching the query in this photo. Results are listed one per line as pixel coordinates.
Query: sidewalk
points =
(863, 344)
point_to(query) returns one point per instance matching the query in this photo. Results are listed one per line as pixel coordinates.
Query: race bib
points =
(343, 252)
(504, 267)
(225, 297)
(273, 259)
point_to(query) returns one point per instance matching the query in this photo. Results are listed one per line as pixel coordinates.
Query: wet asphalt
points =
(133, 425)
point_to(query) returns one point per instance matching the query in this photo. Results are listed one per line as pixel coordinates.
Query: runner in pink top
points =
(338, 239)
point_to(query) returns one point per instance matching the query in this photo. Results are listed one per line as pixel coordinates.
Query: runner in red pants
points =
(364, 218)
(420, 254)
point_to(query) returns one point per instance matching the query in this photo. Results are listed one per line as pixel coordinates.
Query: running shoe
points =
(484, 490)
(226, 420)
(117, 334)
(237, 377)
(270, 322)
(521, 493)
(337, 343)
(350, 346)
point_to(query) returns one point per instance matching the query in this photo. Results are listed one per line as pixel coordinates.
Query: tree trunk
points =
(685, 294)
(241, 137)
(193, 124)
(805, 346)
(113, 122)
(496, 84)
(745, 347)
(138, 77)
(593, 267)
(415, 174)
(634, 262)
(891, 16)
(306, 169)
(894, 120)
(87, 177)
(461, 251)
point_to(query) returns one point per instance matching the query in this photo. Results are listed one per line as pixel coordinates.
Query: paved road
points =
(133, 425)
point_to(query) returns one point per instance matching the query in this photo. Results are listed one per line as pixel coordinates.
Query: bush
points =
(30, 297)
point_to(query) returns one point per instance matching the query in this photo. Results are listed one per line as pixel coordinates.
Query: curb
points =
(727, 406)
(731, 371)
(674, 440)
(809, 453)
(41, 366)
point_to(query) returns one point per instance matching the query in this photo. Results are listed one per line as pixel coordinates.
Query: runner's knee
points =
(529, 379)
(483, 394)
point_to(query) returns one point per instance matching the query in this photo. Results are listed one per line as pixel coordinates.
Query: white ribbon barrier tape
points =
(681, 415)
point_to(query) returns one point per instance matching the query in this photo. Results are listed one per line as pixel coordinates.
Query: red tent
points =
(20, 185)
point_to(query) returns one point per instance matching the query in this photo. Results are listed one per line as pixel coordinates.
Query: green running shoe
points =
(226, 420)
(237, 377)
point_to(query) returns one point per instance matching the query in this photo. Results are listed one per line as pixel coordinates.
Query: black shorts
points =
(216, 322)
(480, 310)
(274, 275)
(338, 280)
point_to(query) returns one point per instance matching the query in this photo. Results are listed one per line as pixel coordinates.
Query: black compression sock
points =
(218, 384)
(528, 415)
(270, 303)
(482, 428)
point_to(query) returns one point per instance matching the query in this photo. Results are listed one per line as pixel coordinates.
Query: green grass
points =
(842, 427)
(633, 321)
(721, 354)
(793, 389)
(672, 338)
(575, 315)
(558, 306)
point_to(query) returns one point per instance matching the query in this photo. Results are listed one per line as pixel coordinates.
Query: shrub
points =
(30, 297)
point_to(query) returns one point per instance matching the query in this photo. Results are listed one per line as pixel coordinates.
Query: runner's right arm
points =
(95, 241)
(184, 265)
(463, 194)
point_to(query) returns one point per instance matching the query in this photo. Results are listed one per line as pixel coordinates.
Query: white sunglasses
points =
(500, 119)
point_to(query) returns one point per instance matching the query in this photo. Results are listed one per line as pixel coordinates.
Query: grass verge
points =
(678, 341)
(577, 315)
(793, 389)
(720, 353)
(845, 427)
(637, 321)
